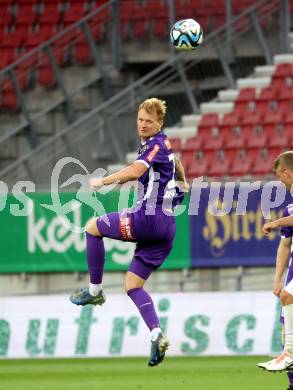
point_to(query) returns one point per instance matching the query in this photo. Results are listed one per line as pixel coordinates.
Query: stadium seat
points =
(208, 120)
(82, 52)
(246, 101)
(41, 34)
(140, 22)
(9, 98)
(7, 55)
(288, 125)
(220, 164)
(74, 13)
(26, 15)
(241, 164)
(161, 27)
(230, 127)
(6, 18)
(267, 100)
(283, 76)
(262, 165)
(198, 165)
(252, 127)
(50, 13)
(46, 76)
(191, 146)
(273, 126)
(286, 99)
(214, 138)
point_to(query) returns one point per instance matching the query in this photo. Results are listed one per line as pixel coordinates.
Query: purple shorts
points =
(153, 234)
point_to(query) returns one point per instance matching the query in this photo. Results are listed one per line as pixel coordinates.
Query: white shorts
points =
(289, 287)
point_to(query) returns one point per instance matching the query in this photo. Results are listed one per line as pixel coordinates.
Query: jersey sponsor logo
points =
(143, 149)
(125, 228)
(153, 153)
(168, 144)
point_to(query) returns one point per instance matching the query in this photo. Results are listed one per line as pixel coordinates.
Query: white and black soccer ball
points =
(186, 34)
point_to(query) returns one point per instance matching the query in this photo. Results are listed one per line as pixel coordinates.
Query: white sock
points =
(94, 289)
(154, 333)
(288, 323)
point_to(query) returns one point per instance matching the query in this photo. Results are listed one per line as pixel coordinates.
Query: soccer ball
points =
(186, 34)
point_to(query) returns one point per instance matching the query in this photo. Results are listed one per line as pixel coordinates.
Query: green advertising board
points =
(34, 239)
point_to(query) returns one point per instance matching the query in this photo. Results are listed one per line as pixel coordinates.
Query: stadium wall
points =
(197, 324)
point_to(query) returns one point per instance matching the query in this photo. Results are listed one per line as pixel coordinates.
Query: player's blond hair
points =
(285, 160)
(154, 105)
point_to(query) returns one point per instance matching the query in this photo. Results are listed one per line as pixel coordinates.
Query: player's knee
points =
(286, 298)
(91, 227)
(132, 281)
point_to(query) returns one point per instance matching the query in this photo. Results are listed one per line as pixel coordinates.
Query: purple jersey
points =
(157, 186)
(286, 232)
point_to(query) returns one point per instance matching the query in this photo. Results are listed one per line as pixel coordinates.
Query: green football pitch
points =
(186, 373)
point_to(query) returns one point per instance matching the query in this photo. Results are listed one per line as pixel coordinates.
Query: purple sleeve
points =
(287, 231)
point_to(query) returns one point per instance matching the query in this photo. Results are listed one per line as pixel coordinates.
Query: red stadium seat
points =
(220, 164)
(267, 100)
(7, 56)
(252, 126)
(208, 121)
(26, 15)
(283, 76)
(246, 101)
(51, 13)
(273, 126)
(6, 18)
(288, 125)
(161, 27)
(9, 98)
(42, 34)
(191, 146)
(198, 165)
(82, 53)
(241, 164)
(286, 99)
(74, 14)
(46, 76)
(140, 22)
(263, 163)
(230, 127)
(214, 139)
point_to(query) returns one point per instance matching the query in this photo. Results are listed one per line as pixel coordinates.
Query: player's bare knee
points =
(132, 281)
(91, 227)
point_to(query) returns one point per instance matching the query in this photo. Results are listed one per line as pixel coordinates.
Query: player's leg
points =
(143, 301)
(285, 360)
(97, 228)
(148, 256)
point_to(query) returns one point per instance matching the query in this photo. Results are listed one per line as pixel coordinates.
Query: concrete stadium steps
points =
(224, 103)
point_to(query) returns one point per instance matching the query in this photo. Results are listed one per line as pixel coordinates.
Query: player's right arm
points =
(283, 256)
(284, 221)
(180, 174)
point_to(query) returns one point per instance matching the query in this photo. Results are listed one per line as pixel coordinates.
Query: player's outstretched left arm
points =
(284, 221)
(130, 173)
(180, 174)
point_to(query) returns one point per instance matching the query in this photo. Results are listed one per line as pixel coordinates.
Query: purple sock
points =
(145, 306)
(95, 252)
